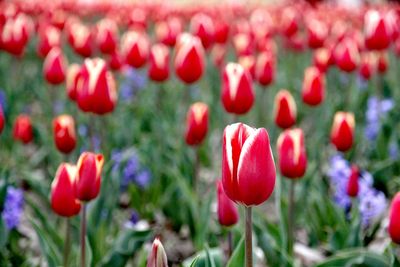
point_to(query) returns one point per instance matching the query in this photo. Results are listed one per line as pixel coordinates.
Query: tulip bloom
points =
(22, 130)
(265, 68)
(202, 26)
(292, 153)
(49, 37)
(347, 55)
(16, 33)
(367, 65)
(62, 198)
(343, 130)
(88, 179)
(248, 62)
(228, 213)
(321, 58)
(64, 133)
(289, 21)
(159, 63)
(73, 74)
(317, 32)
(54, 67)
(248, 167)
(218, 53)
(377, 30)
(382, 63)
(168, 30)
(394, 219)
(81, 39)
(135, 48)
(196, 123)
(352, 184)
(96, 90)
(237, 94)
(285, 111)
(313, 91)
(2, 119)
(107, 35)
(189, 59)
(157, 256)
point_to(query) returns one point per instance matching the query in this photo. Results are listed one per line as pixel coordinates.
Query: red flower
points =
(218, 53)
(202, 26)
(16, 33)
(248, 168)
(54, 66)
(22, 130)
(292, 153)
(317, 32)
(135, 48)
(189, 58)
(265, 68)
(62, 196)
(73, 74)
(64, 133)
(159, 63)
(352, 184)
(383, 62)
(237, 94)
(96, 90)
(157, 256)
(49, 37)
(248, 62)
(289, 21)
(81, 39)
(2, 119)
(367, 65)
(377, 30)
(313, 92)
(221, 34)
(88, 179)
(394, 219)
(322, 57)
(285, 111)
(343, 130)
(228, 213)
(107, 35)
(168, 30)
(347, 55)
(196, 123)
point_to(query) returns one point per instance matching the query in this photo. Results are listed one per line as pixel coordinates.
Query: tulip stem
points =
(67, 243)
(196, 169)
(230, 243)
(291, 217)
(83, 235)
(249, 237)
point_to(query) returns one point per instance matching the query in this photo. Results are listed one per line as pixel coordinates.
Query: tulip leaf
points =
(201, 258)
(238, 256)
(355, 257)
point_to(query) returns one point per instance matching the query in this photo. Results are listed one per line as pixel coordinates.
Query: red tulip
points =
(261, 24)
(202, 26)
(248, 168)
(167, 31)
(221, 34)
(313, 92)
(285, 111)
(157, 256)
(73, 74)
(96, 90)
(159, 63)
(218, 53)
(237, 94)
(81, 39)
(289, 21)
(367, 65)
(292, 153)
(62, 198)
(394, 219)
(22, 130)
(16, 34)
(88, 179)
(196, 123)
(377, 30)
(2, 119)
(228, 213)
(49, 37)
(317, 32)
(64, 133)
(321, 58)
(115, 61)
(347, 55)
(243, 44)
(135, 48)
(107, 35)
(189, 58)
(343, 130)
(54, 66)
(352, 184)
(265, 68)
(383, 62)
(248, 62)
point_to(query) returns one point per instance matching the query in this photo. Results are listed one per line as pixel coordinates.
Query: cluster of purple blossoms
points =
(372, 202)
(134, 81)
(376, 109)
(83, 131)
(132, 170)
(13, 207)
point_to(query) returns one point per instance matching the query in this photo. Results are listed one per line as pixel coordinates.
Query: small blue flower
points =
(143, 178)
(13, 207)
(133, 82)
(134, 218)
(376, 109)
(3, 99)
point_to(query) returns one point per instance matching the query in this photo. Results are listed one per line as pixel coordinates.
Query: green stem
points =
(196, 169)
(249, 237)
(83, 235)
(291, 217)
(67, 244)
(230, 243)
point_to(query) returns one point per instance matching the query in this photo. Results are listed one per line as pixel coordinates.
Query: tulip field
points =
(218, 134)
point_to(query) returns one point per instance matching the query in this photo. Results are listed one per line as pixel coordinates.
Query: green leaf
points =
(355, 257)
(238, 256)
(201, 260)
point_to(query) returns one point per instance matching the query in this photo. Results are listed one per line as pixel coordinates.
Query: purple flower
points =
(13, 207)
(143, 178)
(376, 109)
(134, 218)
(133, 82)
(3, 99)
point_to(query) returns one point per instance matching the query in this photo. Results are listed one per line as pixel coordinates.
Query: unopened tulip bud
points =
(265, 68)
(237, 94)
(54, 67)
(107, 35)
(367, 65)
(168, 30)
(135, 48)
(157, 256)
(159, 63)
(313, 92)
(394, 219)
(2, 119)
(352, 184)
(22, 130)
(342, 133)
(377, 30)
(81, 39)
(285, 111)
(64, 133)
(73, 74)
(49, 37)
(88, 179)
(202, 26)
(248, 167)
(62, 198)
(347, 55)
(196, 123)
(292, 153)
(289, 22)
(383, 62)
(317, 32)
(227, 210)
